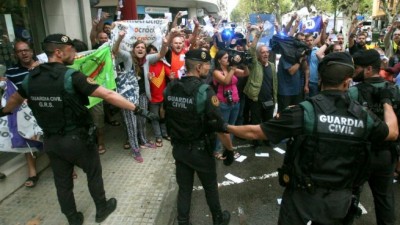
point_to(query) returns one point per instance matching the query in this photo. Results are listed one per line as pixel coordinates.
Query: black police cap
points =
(335, 58)
(58, 39)
(339, 58)
(198, 55)
(367, 57)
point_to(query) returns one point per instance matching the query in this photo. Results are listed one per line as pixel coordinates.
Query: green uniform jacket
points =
(253, 85)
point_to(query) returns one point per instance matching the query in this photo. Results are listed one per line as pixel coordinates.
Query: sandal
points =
(31, 181)
(168, 138)
(236, 154)
(136, 155)
(159, 142)
(148, 145)
(114, 123)
(127, 145)
(218, 156)
(101, 149)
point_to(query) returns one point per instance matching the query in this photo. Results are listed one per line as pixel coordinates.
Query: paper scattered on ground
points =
(234, 178)
(243, 146)
(394, 181)
(279, 150)
(241, 158)
(279, 201)
(363, 210)
(263, 154)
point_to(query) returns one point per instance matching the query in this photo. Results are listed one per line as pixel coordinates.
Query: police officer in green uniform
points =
(367, 66)
(57, 96)
(328, 150)
(189, 104)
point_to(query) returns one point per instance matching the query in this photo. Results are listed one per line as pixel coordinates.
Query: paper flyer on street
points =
(263, 154)
(363, 210)
(233, 178)
(279, 150)
(241, 158)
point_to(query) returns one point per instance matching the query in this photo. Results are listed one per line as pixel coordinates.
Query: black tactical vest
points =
(334, 152)
(365, 93)
(54, 103)
(184, 122)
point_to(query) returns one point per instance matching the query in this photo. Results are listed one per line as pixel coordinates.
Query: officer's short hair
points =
(370, 57)
(335, 68)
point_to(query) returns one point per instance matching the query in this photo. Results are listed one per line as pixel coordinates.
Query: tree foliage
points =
(246, 7)
(280, 7)
(389, 11)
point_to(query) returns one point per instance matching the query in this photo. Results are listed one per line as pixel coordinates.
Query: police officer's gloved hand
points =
(386, 96)
(3, 113)
(229, 157)
(217, 124)
(143, 112)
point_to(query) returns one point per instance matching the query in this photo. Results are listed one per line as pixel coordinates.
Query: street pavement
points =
(255, 200)
(145, 192)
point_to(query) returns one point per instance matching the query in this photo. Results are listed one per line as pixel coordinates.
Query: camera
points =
(290, 48)
(228, 96)
(245, 57)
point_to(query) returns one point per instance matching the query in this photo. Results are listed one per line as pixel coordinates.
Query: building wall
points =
(377, 12)
(70, 17)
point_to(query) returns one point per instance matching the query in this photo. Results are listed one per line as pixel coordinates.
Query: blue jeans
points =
(230, 113)
(313, 87)
(159, 128)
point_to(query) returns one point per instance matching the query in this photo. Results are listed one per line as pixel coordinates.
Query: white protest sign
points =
(149, 31)
(27, 129)
(27, 124)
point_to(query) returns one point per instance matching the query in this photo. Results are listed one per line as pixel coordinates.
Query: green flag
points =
(98, 65)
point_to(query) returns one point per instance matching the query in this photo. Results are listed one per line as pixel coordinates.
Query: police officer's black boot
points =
(104, 211)
(222, 218)
(183, 222)
(75, 218)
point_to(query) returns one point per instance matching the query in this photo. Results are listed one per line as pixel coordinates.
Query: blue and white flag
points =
(313, 24)
(269, 21)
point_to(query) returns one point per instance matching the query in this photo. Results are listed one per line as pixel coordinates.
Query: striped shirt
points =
(16, 74)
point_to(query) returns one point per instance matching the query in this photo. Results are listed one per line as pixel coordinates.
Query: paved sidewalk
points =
(145, 191)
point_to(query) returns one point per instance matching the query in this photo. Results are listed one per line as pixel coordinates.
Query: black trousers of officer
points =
(191, 159)
(64, 152)
(323, 207)
(381, 184)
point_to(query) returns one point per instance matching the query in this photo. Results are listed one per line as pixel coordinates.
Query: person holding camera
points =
(290, 85)
(190, 107)
(225, 79)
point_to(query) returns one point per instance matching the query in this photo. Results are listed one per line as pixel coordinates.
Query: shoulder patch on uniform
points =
(91, 80)
(214, 100)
